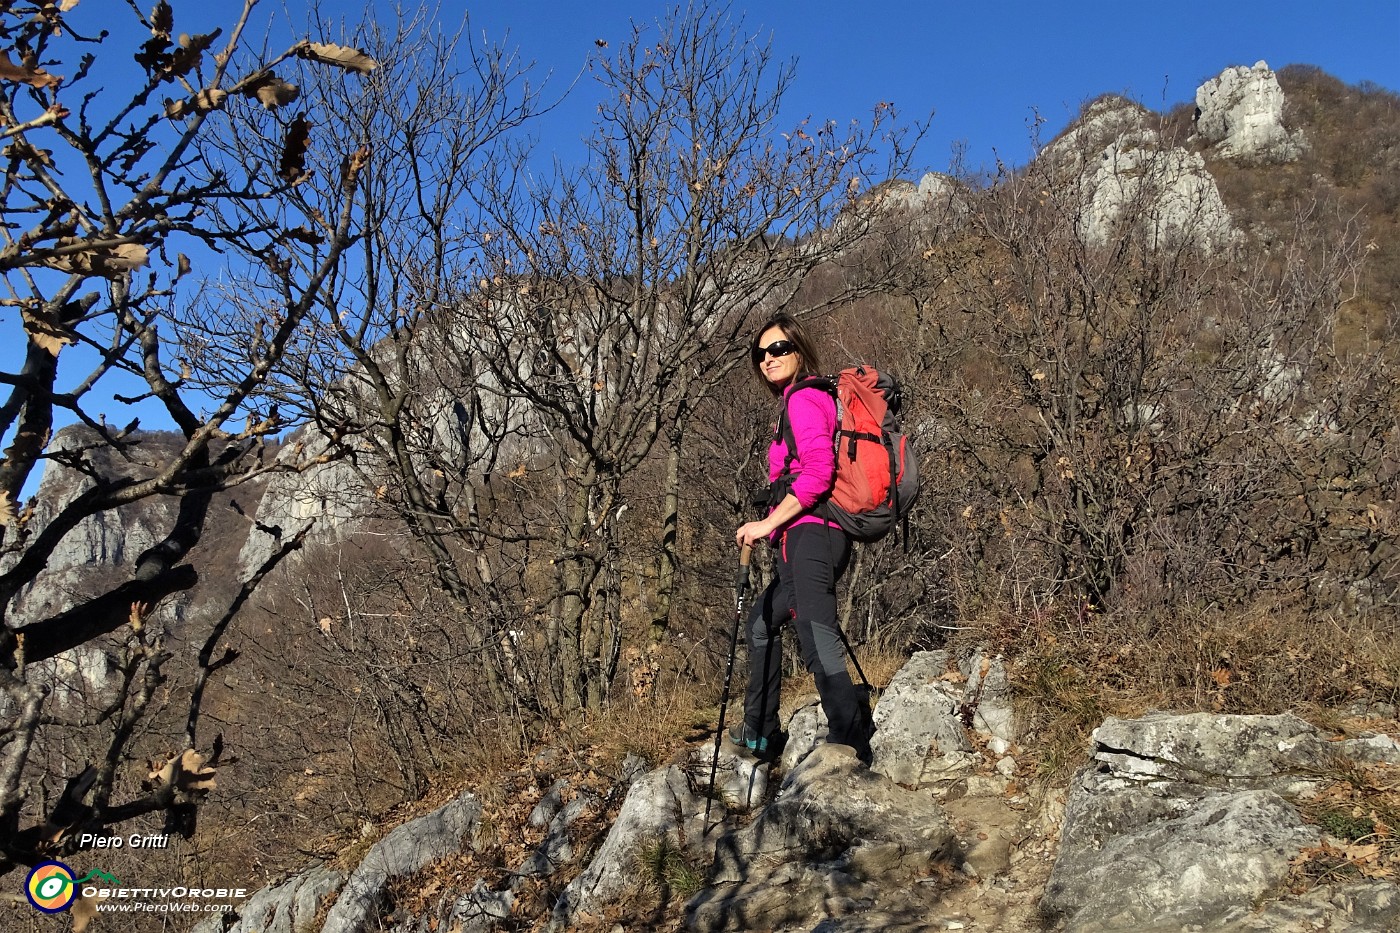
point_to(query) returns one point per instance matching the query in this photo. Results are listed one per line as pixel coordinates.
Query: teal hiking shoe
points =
(763, 746)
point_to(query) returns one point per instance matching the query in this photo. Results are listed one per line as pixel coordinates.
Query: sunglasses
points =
(776, 349)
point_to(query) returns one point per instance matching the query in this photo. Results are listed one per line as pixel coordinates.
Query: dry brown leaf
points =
(8, 515)
(270, 91)
(338, 55)
(304, 234)
(1221, 676)
(292, 167)
(34, 77)
(83, 909)
(106, 261)
(44, 333)
(1362, 853)
(162, 20)
(206, 100)
(124, 258)
(190, 53)
(276, 93)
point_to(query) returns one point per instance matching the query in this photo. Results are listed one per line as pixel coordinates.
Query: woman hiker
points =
(812, 553)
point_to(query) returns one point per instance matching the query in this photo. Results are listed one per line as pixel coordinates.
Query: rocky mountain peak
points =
(1240, 113)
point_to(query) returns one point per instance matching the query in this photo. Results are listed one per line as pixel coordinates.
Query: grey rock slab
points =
(1210, 864)
(1211, 749)
(288, 907)
(409, 848)
(988, 695)
(659, 804)
(793, 894)
(1367, 907)
(549, 805)
(480, 910)
(557, 848)
(806, 729)
(919, 736)
(829, 805)
(1371, 749)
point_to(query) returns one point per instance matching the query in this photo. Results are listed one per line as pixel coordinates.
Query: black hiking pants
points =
(811, 559)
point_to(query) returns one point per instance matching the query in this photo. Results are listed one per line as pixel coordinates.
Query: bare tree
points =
(1143, 408)
(615, 298)
(392, 391)
(514, 349)
(103, 186)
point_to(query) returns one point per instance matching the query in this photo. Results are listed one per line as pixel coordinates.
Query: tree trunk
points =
(567, 643)
(670, 527)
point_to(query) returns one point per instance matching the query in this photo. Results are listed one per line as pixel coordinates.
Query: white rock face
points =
(100, 551)
(1170, 189)
(1104, 121)
(331, 495)
(1114, 155)
(1241, 112)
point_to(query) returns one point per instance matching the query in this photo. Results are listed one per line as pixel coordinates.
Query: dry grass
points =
(1358, 811)
(1073, 670)
(1070, 671)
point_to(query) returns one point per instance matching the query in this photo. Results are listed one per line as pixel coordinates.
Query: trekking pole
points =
(851, 653)
(741, 586)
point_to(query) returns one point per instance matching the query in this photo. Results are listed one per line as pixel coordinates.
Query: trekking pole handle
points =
(741, 577)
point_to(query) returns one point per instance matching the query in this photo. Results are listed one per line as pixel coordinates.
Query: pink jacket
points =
(812, 416)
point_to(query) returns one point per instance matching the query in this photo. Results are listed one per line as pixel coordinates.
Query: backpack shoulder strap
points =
(826, 384)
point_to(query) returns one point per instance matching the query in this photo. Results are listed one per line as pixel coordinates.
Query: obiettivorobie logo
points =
(51, 886)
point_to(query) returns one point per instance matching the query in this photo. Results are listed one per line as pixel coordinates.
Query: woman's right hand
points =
(750, 533)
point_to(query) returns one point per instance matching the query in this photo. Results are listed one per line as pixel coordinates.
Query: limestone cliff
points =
(1240, 115)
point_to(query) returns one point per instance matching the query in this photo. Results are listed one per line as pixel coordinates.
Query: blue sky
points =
(982, 68)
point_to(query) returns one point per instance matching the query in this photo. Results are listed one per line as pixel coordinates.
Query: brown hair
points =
(809, 363)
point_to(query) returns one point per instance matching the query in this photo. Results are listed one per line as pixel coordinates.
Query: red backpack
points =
(877, 472)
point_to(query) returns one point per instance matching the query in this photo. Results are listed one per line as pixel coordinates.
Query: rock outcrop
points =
(1176, 822)
(836, 834)
(1186, 822)
(1124, 173)
(290, 906)
(1240, 114)
(104, 545)
(293, 905)
(102, 550)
